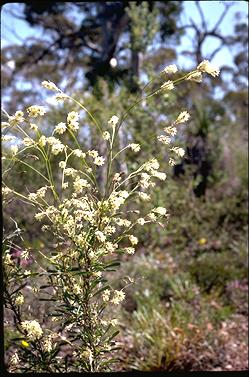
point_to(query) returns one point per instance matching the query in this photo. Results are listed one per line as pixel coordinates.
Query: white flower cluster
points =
(168, 85)
(170, 69)
(182, 117)
(115, 200)
(6, 191)
(172, 131)
(33, 329)
(117, 297)
(206, 66)
(34, 111)
(164, 139)
(113, 121)
(97, 160)
(134, 147)
(60, 128)
(106, 135)
(79, 153)
(19, 300)
(49, 85)
(39, 194)
(72, 121)
(80, 184)
(195, 76)
(179, 151)
(17, 118)
(61, 97)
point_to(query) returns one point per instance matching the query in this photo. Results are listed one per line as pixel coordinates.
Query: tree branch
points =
(227, 7)
(203, 21)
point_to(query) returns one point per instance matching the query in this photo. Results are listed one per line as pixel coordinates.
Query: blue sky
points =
(211, 10)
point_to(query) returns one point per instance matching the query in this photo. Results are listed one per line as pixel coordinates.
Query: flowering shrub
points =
(92, 227)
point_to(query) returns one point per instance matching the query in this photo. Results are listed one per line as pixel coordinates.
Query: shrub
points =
(91, 215)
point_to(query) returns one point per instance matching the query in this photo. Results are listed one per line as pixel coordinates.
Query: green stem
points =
(88, 112)
(24, 163)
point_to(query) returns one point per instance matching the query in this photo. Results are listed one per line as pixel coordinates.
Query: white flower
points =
(73, 125)
(206, 66)
(72, 118)
(33, 127)
(14, 149)
(33, 328)
(170, 69)
(32, 196)
(160, 211)
(49, 85)
(42, 141)
(100, 236)
(19, 299)
(80, 184)
(118, 297)
(34, 111)
(159, 175)
(6, 191)
(172, 131)
(129, 250)
(111, 247)
(41, 192)
(62, 164)
(135, 147)
(73, 115)
(65, 185)
(110, 229)
(116, 177)
(106, 295)
(106, 135)
(152, 217)
(60, 128)
(79, 153)
(99, 161)
(179, 151)
(164, 139)
(93, 153)
(141, 221)
(145, 181)
(182, 117)
(60, 97)
(28, 141)
(8, 138)
(144, 196)
(114, 120)
(70, 171)
(133, 239)
(168, 85)
(47, 344)
(57, 148)
(123, 222)
(152, 164)
(17, 118)
(77, 289)
(195, 76)
(40, 216)
(172, 162)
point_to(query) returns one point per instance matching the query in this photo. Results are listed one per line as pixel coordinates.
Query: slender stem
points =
(110, 159)
(93, 180)
(118, 153)
(88, 112)
(24, 163)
